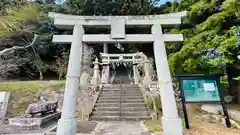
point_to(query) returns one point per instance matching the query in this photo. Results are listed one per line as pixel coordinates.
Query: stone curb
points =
(26, 134)
(49, 130)
(145, 130)
(54, 133)
(96, 129)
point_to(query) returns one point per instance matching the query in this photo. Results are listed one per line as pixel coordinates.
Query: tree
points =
(16, 27)
(20, 18)
(213, 44)
(10, 62)
(5, 5)
(211, 38)
(61, 65)
(110, 7)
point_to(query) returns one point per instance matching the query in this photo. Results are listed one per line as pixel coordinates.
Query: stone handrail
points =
(145, 95)
(89, 103)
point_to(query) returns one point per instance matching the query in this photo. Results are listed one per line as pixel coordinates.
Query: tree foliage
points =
(211, 45)
(61, 65)
(20, 18)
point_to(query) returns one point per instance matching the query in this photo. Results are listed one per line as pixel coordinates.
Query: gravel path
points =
(212, 131)
(119, 128)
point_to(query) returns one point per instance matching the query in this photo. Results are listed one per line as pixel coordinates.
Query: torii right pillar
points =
(171, 122)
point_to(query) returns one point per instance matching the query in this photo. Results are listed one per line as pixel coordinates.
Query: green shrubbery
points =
(154, 103)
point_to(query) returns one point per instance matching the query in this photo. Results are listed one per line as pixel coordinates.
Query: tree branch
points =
(11, 50)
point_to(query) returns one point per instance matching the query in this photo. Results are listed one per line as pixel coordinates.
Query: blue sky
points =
(164, 1)
(161, 1)
(59, 1)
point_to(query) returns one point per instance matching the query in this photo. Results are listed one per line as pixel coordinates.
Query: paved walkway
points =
(113, 128)
(119, 128)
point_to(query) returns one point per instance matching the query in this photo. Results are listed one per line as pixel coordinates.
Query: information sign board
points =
(199, 90)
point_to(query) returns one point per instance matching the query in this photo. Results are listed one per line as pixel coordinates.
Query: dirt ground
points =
(200, 127)
(197, 125)
(212, 131)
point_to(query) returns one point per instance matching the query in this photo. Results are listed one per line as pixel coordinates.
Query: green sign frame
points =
(200, 89)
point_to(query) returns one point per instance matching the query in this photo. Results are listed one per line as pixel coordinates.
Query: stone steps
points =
(120, 118)
(118, 96)
(118, 89)
(118, 85)
(109, 108)
(123, 91)
(120, 113)
(122, 100)
(117, 108)
(118, 101)
(122, 104)
(122, 95)
(118, 92)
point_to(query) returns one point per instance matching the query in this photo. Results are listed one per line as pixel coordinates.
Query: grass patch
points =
(22, 93)
(153, 125)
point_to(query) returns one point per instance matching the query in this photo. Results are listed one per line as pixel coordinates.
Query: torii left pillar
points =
(67, 125)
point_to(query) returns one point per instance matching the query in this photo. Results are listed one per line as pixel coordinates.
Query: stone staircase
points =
(120, 103)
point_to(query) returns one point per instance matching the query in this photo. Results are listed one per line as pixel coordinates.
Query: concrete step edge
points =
(118, 101)
(122, 103)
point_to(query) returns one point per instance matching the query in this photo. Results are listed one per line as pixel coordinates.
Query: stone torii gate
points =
(133, 58)
(172, 124)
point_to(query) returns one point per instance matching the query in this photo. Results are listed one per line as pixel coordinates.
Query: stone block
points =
(42, 107)
(4, 97)
(213, 109)
(234, 114)
(117, 28)
(36, 122)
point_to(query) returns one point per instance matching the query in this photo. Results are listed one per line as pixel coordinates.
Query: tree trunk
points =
(236, 90)
(234, 85)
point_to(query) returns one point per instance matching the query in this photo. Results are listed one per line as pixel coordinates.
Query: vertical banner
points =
(105, 74)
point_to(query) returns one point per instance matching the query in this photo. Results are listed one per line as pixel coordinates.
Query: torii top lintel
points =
(117, 25)
(68, 21)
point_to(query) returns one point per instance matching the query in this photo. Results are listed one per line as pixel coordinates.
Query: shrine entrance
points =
(120, 67)
(120, 73)
(171, 122)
